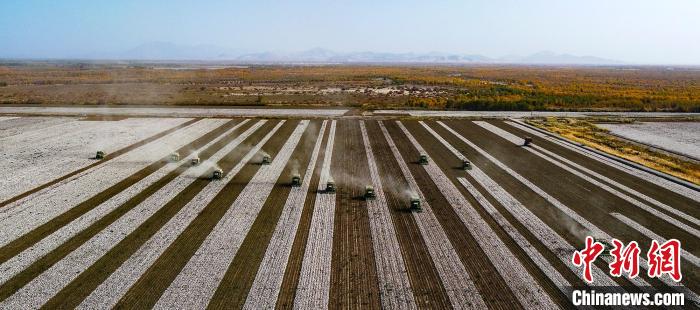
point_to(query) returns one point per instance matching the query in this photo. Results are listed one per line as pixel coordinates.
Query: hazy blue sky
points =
(637, 31)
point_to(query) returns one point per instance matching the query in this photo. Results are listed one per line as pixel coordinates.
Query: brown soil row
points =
(587, 200)
(148, 289)
(87, 281)
(234, 287)
(491, 285)
(354, 281)
(425, 281)
(64, 249)
(97, 163)
(285, 300)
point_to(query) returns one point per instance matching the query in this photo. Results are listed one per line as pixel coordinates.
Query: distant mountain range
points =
(164, 51)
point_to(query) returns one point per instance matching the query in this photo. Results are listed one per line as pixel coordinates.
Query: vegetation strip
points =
(394, 285)
(639, 173)
(315, 275)
(208, 264)
(113, 289)
(107, 158)
(525, 288)
(653, 236)
(49, 283)
(265, 289)
(19, 262)
(537, 151)
(27, 214)
(575, 216)
(457, 282)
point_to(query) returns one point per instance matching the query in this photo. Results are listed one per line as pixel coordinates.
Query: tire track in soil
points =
(148, 289)
(76, 291)
(107, 158)
(354, 282)
(239, 277)
(425, 281)
(27, 240)
(492, 287)
(48, 260)
(285, 299)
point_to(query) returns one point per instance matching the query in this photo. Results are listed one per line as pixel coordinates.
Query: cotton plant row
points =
(314, 283)
(28, 163)
(680, 137)
(594, 230)
(557, 161)
(25, 125)
(649, 177)
(456, 280)
(22, 216)
(176, 112)
(268, 281)
(50, 282)
(542, 263)
(198, 280)
(544, 234)
(394, 285)
(7, 118)
(27, 257)
(118, 283)
(521, 283)
(653, 236)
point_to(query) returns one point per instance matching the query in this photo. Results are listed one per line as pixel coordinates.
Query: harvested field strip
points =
(107, 158)
(525, 288)
(150, 286)
(456, 281)
(426, 284)
(353, 265)
(643, 285)
(536, 150)
(268, 280)
(235, 286)
(49, 283)
(61, 235)
(637, 173)
(46, 158)
(315, 273)
(394, 285)
(561, 283)
(653, 236)
(27, 214)
(119, 281)
(216, 253)
(24, 125)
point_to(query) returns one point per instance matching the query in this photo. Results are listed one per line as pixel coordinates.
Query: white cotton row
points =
(639, 282)
(313, 288)
(174, 112)
(558, 162)
(34, 210)
(394, 285)
(653, 236)
(268, 281)
(43, 287)
(115, 287)
(48, 244)
(588, 225)
(25, 125)
(541, 262)
(654, 179)
(521, 282)
(198, 280)
(455, 279)
(31, 163)
(7, 118)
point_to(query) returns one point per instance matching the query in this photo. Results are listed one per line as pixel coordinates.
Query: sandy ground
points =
(677, 137)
